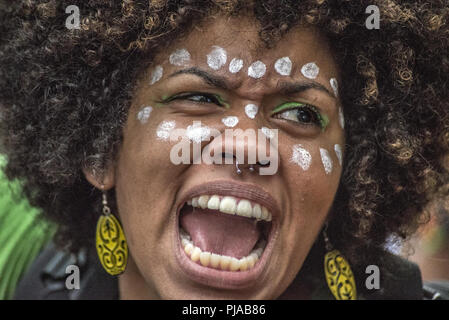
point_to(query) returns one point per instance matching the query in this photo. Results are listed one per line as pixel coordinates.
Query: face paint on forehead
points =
(235, 65)
(164, 129)
(301, 157)
(257, 70)
(144, 114)
(217, 58)
(251, 110)
(326, 160)
(283, 66)
(180, 57)
(230, 121)
(156, 75)
(310, 70)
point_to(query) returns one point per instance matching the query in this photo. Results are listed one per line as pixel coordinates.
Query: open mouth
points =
(224, 232)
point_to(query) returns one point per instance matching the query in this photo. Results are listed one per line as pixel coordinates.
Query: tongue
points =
(220, 233)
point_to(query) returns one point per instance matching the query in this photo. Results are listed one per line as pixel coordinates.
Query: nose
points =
(247, 150)
(242, 166)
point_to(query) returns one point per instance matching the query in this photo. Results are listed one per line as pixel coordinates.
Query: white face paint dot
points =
(257, 70)
(216, 58)
(196, 133)
(144, 114)
(301, 157)
(180, 57)
(164, 129)
(251, 110)
(267, 132)
(283, 66)
(339, 154)
(310, 70)
(156, 75)
(235, 65)
(230, 121)
(341, 118)
(334, 84)
(327, 161)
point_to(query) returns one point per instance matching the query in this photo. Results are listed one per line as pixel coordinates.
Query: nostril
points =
(227, 155)
(263, 163)
(251, 168)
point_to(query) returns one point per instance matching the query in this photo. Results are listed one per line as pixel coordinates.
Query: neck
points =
(132, 286)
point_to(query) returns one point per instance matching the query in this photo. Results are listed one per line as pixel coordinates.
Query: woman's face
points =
(204, 82)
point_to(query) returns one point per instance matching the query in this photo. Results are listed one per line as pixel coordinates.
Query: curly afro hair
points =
(65, 96)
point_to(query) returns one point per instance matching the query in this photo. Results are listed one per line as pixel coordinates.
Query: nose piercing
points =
(251, 167)
(239, 171)
(237, 166)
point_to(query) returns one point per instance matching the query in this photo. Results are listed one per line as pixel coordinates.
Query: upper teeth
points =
(231, 205)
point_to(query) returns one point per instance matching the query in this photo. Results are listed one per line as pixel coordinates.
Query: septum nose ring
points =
(237, 166)
(251, 168)
(239, 171)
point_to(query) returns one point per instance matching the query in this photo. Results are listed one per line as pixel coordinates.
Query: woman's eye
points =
(199, 98)
(301, 113)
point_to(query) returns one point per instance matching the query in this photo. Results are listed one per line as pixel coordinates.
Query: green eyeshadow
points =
(166, 99)
(323, 119)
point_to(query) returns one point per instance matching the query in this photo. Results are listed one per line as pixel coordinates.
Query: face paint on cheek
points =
(251, 110)
(283, 66)
(164, 129)
(197, 133)
(144, 114)
(339, 153)
(180, 57)
(310, 70)
(334, 84)
(341, 118)
(267, 132)
(257, 70)
(326, 160)
(235, 65)
(230, 121)
(217, 58)
(301, 157)
(156, 75)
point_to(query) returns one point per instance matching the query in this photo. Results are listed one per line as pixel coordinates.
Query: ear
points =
(106, 179)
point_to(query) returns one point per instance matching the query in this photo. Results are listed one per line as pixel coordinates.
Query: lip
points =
(228, 279)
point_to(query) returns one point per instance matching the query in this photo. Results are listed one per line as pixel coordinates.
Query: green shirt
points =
(22, 234)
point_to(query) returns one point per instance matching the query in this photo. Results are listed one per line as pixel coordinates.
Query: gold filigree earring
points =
(338, 273)
(111, 245)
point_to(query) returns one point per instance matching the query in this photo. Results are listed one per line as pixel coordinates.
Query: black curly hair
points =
(65, 96)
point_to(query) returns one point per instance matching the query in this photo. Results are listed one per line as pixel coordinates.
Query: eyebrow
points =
(216, 81)
(286, 88)
(289, 88)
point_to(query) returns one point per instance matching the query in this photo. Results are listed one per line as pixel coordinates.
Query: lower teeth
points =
(217, 261)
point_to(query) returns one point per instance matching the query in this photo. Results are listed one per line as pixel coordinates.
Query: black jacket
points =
(46, 279)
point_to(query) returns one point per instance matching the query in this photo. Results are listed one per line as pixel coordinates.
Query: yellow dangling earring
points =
(111, 245)
(338, 273)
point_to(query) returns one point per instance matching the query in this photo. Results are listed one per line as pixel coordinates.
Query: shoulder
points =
(46, 278)
(384, 276)
(399, 278)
